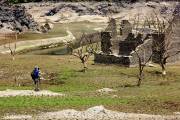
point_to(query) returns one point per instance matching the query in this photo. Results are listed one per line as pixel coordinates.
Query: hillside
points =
(15, 17)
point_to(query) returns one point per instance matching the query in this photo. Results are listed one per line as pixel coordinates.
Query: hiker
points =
(36, 74)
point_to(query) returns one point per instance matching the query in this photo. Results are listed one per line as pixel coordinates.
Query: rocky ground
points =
(15, 17)
(96, 11)
(28, 16)
(94, 113)
(12, 93)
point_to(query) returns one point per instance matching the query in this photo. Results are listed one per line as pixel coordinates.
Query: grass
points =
(59, 30)
(62, 74)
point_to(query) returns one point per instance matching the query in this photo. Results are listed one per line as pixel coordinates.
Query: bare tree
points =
(10, 44)
(141, 65)
(84, 51)
(163, 42)
(143, 52)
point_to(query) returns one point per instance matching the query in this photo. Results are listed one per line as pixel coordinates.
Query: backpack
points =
(35, 74)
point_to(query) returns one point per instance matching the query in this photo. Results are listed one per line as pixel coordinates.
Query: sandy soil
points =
(94, 113)
(12, 93)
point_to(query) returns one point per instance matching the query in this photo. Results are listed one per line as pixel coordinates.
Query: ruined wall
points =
(126, 47)
(112, 59)
(125, 29)
(114, 41)
(106, 42)
(144, 50)
(112, 28)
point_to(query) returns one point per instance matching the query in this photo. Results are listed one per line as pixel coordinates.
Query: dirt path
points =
(94, 113)
(12, 93)
(21, 45)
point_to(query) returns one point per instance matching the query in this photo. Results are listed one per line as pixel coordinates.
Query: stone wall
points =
(144, 51)
(125, 28)
(112, 28)
(106, 42)
(126, 47)
(112, 59)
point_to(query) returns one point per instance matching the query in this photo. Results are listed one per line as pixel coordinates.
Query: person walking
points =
(36, 74)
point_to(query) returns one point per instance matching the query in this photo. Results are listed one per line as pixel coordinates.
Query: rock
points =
(94, 113)
(177, 113)
(10, 93)
(16, 18)
(106, 90)
(84, 9)
(96, 110)
(47, 26)
(18, 117)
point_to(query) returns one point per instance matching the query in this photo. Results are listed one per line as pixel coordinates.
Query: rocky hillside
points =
(15, 17)
(84, 9)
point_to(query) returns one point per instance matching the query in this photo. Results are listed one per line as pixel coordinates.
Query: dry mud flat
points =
(94, 113)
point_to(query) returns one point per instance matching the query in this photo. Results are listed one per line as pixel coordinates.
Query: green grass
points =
(63, 74)
(20, 102)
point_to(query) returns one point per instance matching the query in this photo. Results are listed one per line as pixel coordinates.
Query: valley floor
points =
(63, 75)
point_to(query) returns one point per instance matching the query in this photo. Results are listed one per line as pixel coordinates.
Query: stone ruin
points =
(118, 45)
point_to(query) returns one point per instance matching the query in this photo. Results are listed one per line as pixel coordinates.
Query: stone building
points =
(119, 48)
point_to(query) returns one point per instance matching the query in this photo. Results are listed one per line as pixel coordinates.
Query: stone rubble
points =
(94, 113)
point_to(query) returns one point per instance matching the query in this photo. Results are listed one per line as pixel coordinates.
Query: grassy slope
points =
(155, 96)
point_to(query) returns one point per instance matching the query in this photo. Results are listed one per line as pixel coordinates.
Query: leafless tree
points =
(141, 64)
(10, 44)
(143, 52)
(84, 51)
(163, 42)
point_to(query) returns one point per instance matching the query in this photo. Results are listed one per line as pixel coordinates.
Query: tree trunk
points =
(163, 69)
(13, 58)
(85, 66)
(13, 55)
(164, 72)
(140, 79)
(140, 73)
